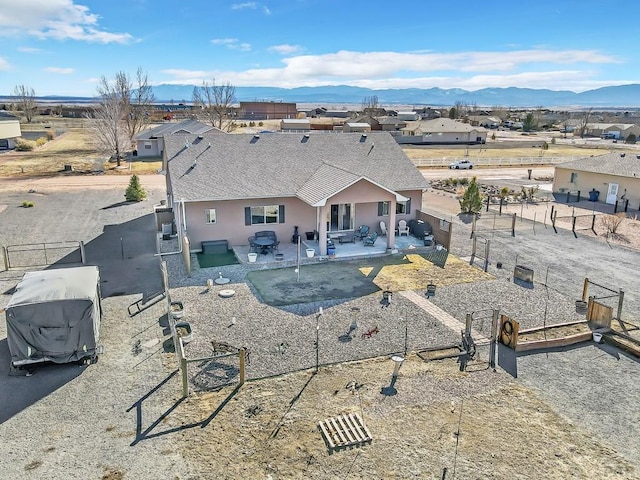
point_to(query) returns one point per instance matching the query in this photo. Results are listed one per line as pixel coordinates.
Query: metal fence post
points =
(620, 301)
(486, 255)
(83, 258)
(5, 258)
(494, 339)
(513, 225)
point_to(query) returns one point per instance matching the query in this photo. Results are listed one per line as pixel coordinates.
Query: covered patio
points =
(288, 252)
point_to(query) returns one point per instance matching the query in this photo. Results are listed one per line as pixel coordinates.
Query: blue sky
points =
(62, 47)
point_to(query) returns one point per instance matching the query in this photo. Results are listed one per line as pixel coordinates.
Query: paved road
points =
(62, 182)
(504, 173)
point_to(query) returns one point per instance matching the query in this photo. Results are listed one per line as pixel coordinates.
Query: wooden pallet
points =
(345, 431)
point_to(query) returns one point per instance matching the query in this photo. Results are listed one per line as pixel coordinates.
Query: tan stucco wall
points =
(230, 215)
(587, 181)
(10, 129)
(230, 220)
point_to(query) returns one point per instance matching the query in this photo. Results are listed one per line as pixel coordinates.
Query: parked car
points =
(461, 164)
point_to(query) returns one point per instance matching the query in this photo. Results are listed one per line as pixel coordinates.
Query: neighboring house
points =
(618, 131)
(408, 116)
(391, 124)
(368, 119)
(295, 125)
(267, 110)
(485, 121)
(239, 184)
(150, 143)
(615, 175)
(351, 127)
(9, 130)
(428, 113)
(443, 131)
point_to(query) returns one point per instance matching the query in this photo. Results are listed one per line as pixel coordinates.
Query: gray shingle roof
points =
(186, 126)
(5, 116)
(308, 166)
(610, 164)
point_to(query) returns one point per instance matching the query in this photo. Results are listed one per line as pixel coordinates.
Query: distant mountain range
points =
(617, 96)
(622, 96)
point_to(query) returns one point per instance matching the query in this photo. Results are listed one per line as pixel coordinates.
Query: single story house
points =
(618, 131)
(232, 187)
(9, 130)
(369, 120)
(408, 116)
(485, 121)
(391, 124)
(443, 131)
(295, 125)
(350, 127)
(615, 175)
(150, 143)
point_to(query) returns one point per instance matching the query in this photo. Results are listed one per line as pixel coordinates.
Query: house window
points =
(147, 145)
(402, 208)
(340, 217)
(266, 214)
(574, 177)
(211, 215)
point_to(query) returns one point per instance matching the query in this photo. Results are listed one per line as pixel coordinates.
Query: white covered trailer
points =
(54, 316)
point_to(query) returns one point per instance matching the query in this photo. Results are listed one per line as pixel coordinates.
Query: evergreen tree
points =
(135, 192)
(472, 199)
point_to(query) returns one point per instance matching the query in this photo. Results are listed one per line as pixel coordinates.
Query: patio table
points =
(264, 243)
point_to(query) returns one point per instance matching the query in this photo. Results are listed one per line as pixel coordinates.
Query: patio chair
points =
(252, 246)
(402, 228)
(383, 228)
(362, 232)
(370, 239)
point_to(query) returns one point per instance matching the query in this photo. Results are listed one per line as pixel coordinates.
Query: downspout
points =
(181, 223)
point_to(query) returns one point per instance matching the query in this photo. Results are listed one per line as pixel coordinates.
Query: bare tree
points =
(25, 101)
(565, 123)
(584, 121)
(137, 99)
(216, 103)
(108, 127)
(371, 106)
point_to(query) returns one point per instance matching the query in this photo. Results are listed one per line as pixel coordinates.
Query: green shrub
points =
(27, 204)
(463, 181)
(454, 182)
(41, 141)
(630, 139)
(472, 199)
(25, 145)
(135, 192)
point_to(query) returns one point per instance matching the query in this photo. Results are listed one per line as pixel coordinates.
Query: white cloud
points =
(266, 10)
(285, 49)
(29, 50)
(60, 70)
(242, 6)
(469, 70)
(56, 19)
(4, 65)
(232, 43)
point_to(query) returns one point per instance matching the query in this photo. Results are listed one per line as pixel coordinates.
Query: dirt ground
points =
(477, 424)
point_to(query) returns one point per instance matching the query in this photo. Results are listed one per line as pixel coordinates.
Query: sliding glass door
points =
(341, 217)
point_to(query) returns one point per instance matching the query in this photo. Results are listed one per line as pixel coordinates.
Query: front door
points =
(612, 193)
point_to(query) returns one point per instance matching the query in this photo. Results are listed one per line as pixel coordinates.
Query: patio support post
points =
(322, 231)
(391, 228)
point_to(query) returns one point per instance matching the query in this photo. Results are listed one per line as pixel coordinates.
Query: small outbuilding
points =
(54, 316)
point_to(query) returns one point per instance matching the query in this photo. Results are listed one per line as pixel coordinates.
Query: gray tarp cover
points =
(54, 315)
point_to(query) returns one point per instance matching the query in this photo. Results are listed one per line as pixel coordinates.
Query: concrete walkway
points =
(443, 317)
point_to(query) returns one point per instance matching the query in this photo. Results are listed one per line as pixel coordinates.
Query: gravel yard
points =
(570, 411)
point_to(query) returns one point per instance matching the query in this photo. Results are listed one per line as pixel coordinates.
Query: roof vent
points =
(306, 135)
(622, 154)
(638, 157)
(256, 136)
(200, 137)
